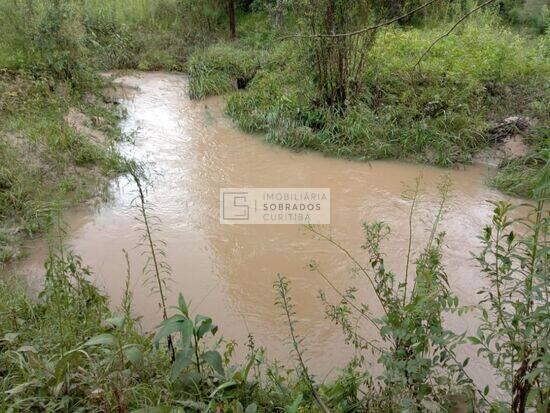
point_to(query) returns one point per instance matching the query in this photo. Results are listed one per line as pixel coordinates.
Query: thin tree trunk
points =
(232, 21)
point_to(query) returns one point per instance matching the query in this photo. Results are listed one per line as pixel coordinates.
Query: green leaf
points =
(248, 367)
(251, 408)
(183, 360)
(70, 358)
(474, 340)
(293, 408)
(22, 387)
(133, 353)
(153, 409)
(214, 359)
(105, 339)
(204, 325)
(169, 326)
(186, 331)
(225, 385)
(115, 322)
(199, 319)
(182, 305)
(486, 390)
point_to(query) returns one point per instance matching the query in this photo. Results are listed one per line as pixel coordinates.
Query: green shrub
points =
(45, 40)
(112, 42)
(535, 13)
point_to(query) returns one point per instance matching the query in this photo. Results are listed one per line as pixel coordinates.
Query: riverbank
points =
(57, 131)
(56, 150)
(456, 103)
(444, 112)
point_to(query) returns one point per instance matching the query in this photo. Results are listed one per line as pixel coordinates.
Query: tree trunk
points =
(520, 388)
(232, 22)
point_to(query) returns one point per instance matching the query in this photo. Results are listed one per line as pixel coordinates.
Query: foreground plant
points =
(65, 351)
(156, 269)
(515, 319)
(40, 353)
(118, 359)
(421, 369)
(284, 302)
(191, 333)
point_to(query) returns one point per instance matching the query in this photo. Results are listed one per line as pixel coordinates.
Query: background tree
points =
(338, 61)
(232, 19)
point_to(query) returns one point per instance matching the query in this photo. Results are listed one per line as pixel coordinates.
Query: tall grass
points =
(147, 12)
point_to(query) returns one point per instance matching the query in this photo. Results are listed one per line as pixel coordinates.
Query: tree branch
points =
(360, 31)
(464, 17)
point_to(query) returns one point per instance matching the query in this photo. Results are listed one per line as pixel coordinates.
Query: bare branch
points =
(360, 31)
(352, 259)
(346, 299)
(464, 17)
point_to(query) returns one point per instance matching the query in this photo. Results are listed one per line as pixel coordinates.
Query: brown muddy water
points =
(227, 271)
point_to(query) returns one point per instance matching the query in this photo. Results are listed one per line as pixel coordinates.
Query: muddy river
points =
(227, 271)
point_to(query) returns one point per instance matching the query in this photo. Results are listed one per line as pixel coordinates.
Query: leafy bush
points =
(535, 13)
(111, 41)
(513, 334)
(45, 40)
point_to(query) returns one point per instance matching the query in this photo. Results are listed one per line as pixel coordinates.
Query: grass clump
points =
(531, 13)
(220, 69)
(150, 35)
(524, 175)
(45, 39)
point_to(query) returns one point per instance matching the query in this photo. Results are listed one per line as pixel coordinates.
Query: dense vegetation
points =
(440, 111)
(368, 96)
(66, 351)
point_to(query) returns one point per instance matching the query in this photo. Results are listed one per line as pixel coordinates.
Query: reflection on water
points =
(227, 271)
